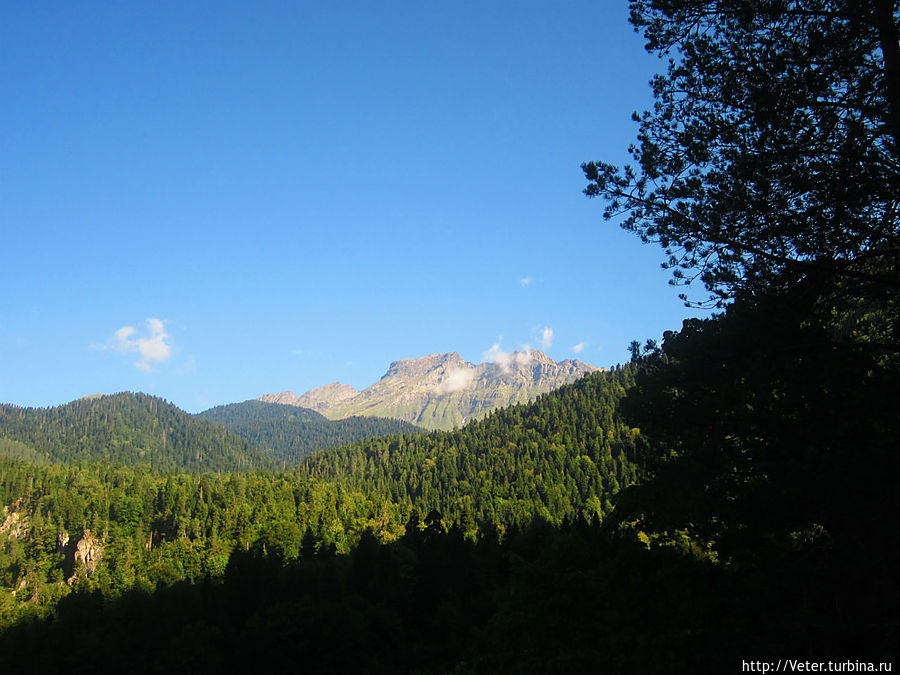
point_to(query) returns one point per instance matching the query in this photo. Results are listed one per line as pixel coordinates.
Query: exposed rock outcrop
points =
(15, 523)
(88, 553)
(319, 399)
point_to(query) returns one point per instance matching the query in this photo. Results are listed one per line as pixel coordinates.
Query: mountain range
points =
(442, 391)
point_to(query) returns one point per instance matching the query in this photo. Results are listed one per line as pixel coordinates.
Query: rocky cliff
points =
(442, 391)
(319, 399)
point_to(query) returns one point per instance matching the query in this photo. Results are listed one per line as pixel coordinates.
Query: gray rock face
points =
(320, 399)
(88, 553)
(443, 391)
(15, 522)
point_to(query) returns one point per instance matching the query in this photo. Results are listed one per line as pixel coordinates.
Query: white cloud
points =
(455, 380)
(523, 358)
(155, 325)
(124, 333)
(546, 337)
(526, 281)
(152, 347)
(496, 355)
(504, 359)
(578, 348)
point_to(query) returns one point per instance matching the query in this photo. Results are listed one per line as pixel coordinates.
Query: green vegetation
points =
(160, 528)
(10, 449)
(541, 600)
(566, 453)
(133, 429)
(156, 529)
(290, 433)
(129, 429)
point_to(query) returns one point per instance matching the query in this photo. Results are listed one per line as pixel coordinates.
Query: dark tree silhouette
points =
(772, 153)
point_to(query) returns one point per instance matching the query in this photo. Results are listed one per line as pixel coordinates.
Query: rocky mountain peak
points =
(442, 391)
(413, 368)
(283, 397)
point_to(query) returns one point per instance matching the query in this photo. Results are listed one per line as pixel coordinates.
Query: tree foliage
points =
(134, 429)
(290, 433)
(559, 457)
(544, 599)
(129, 428)
(565, 453)
(772, 152)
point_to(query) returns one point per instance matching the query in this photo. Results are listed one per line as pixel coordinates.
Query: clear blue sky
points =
(208, 201)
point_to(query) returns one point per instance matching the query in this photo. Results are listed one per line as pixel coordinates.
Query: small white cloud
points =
(578, 348)
(456, 380)
(496, 355)
(546, 337)
(124, 333)
(505, 360)
(152, 348)
(526, 281)
(156, 326)
(523, 357)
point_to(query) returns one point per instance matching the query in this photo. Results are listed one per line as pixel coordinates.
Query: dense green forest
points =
(129, 429)
(136, 429)
(151, 528)
(543, 599)
(158, 528)
(291, 433)
(567, 452)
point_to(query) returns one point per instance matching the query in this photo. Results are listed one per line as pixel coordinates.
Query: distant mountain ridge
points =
(442, 391)
(319, 399)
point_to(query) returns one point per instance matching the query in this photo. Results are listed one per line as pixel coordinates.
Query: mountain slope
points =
(291, 432)
(129, 429)
(567, 452)
(443, 391)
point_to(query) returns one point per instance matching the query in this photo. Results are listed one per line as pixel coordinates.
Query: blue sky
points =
(208, 201)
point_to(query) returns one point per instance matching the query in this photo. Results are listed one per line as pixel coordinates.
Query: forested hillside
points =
(560, 457)
(149, 528)
(542, 600)
(290, 433)
(129, 429)
(565, 453)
